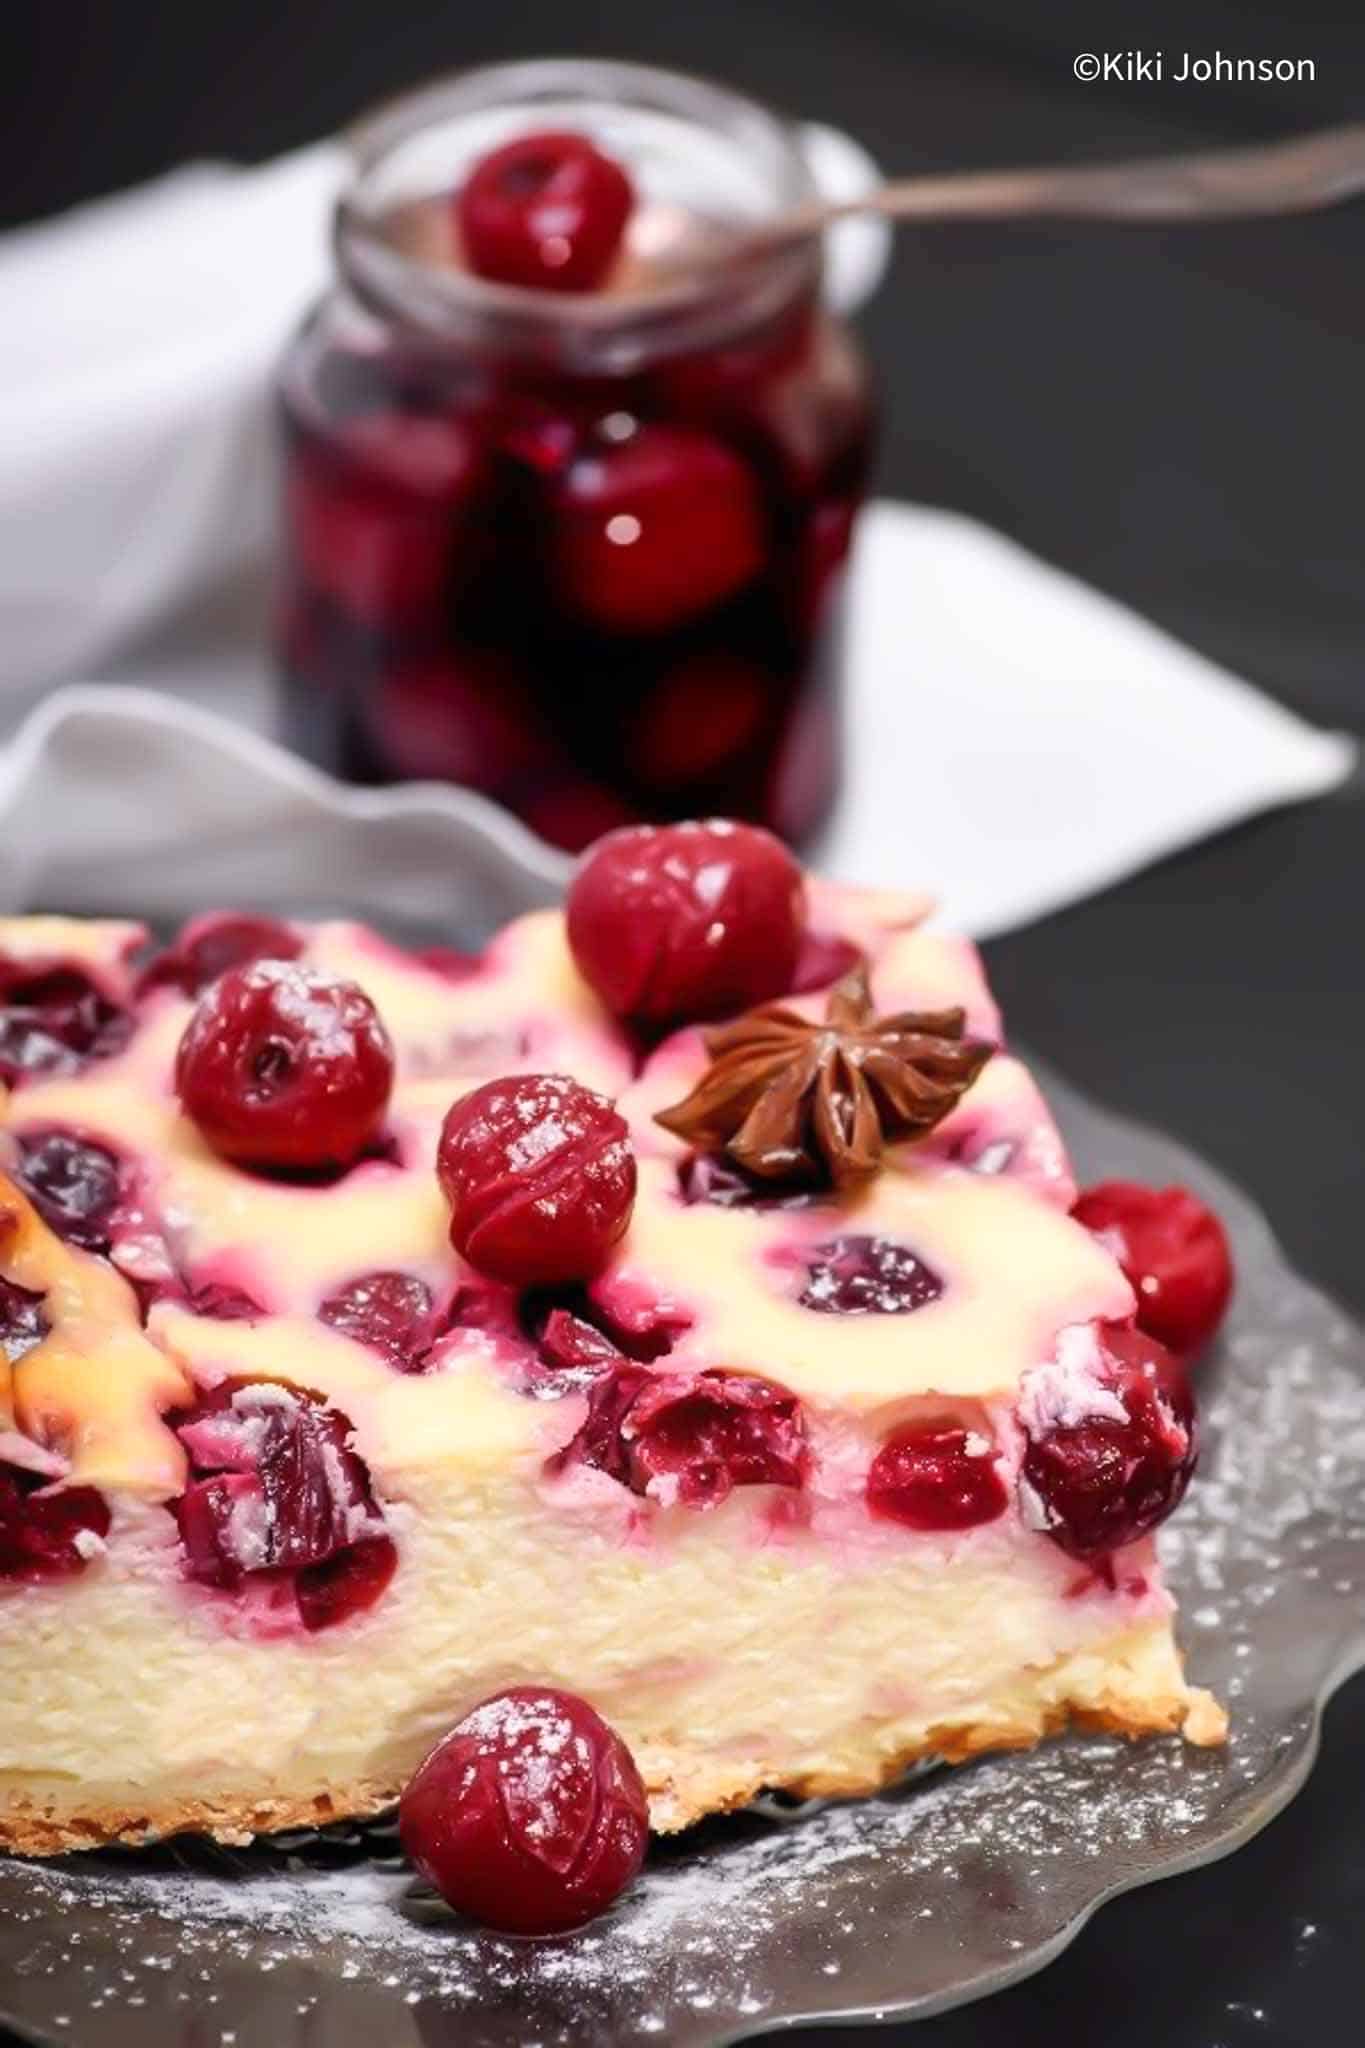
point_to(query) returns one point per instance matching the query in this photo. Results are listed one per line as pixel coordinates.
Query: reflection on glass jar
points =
(582, 551)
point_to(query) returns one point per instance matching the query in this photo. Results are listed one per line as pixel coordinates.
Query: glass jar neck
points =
(686, 144)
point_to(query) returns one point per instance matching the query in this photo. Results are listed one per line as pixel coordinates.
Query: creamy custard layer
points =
(730, 1653)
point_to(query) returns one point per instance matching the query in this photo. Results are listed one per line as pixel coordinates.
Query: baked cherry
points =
(391, 1312)
(209, 945)
(1109, 1452)
(46, 1531)
(711, 1177)
(673, 922)
(935, 1477)
(694, 1437)
(866, 1276)
(653, 530)
(73, 1184)
(690, 1437)
(530, 1815)
(281, 1066)
(53, 1021)
(1173, 1250)
(546, 210)
(539, 1173)
(23, 1323)
(277, 1488)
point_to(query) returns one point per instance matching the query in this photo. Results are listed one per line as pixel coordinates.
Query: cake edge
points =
(683, 1792)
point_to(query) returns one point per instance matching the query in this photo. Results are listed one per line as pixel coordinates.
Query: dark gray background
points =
(1176, 416)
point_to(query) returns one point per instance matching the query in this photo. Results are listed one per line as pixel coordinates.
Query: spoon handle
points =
(1292, 176)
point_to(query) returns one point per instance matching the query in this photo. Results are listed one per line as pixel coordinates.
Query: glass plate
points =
(953, 1885)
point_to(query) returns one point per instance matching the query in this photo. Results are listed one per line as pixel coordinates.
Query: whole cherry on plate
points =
(1174, 1252)
(671, 923)
(529, 1815)
(282, 1066)
(546, 210)
(539, 1173)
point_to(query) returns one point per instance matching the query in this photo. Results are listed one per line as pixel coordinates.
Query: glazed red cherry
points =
(936, 1478)
(540, 1177)
(281, 1066)
(1173, 1250)
(653, 530)
(547, 211)
(673, 922)
(530, 1816)
(1108, 1453)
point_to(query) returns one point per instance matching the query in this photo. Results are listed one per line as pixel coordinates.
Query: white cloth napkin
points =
(1016, 740)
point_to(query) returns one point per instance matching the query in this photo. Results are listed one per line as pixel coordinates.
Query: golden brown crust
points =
(682, 1790)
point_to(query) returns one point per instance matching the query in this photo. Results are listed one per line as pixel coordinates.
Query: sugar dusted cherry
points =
(1108, 1456)
(539, 1173)
(530, 1816)
(1173, 1250)
(674, 922)
(281, 1066)
(546, 210)
(936, 1477)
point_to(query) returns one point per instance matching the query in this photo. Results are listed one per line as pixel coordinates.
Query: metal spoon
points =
(1293, 176)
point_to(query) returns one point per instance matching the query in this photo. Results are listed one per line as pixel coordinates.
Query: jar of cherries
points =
(567, 499)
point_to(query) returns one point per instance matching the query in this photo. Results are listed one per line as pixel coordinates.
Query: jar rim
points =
(589, 331)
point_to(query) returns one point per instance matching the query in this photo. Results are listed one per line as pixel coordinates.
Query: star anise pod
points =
(792, 1100)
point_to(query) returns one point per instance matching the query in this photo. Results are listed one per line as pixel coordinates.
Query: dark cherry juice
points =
(581, 551)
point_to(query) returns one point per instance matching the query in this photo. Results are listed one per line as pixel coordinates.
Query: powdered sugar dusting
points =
(890, 1903)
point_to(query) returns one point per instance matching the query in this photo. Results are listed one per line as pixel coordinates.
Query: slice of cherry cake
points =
(678, 1305)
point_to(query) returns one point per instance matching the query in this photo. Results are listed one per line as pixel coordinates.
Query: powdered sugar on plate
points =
(949, 1886)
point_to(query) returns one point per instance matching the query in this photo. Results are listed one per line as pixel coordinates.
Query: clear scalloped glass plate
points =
(947, 1888)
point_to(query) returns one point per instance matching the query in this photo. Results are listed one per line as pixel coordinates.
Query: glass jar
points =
(581, 552)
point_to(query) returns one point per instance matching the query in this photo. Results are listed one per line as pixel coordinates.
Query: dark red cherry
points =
(209, 945)
(693, 1437)
(546, 211)
(72, 1183)
(673, 922)
(346, 1584)
(539, 1173)
(867, 1276)
(701, 719)
(385, 523)
(391, 1312)
(23, 1323)
(653, 530)
(277, 1487)
(936, 1477)
(690, 1437)
(1108, 1456)
(1174, 1252)
(282, 1067)
(530, 1815)
(53, 1021)
(710, 1177)
(46, 1531)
